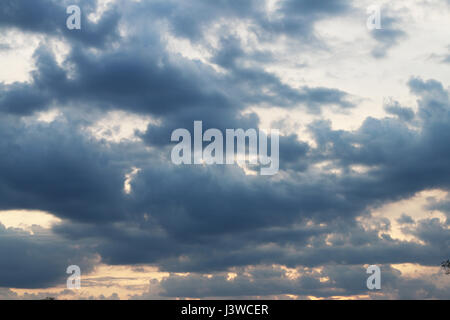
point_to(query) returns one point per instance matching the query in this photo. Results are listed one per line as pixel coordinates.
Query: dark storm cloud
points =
(260, 282)
(128, 80)
(215, 227)
(133, 80)
(221, 118)
(26, 98)
(331, 281)
(22, 99)
(213, 218)
(151, 82)
(55, 168)
(206, 207)
(49, 17)
(242, 86)
(39, 260)
(435, 233)
(397, 153)
(210, 219)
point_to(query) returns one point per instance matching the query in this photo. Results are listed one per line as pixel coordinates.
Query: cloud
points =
(212, 219)
(39, 260)
(295, 19)
(388, 36)
(49, 17)
(53, 166)
(215, 218)
(394, 108)
(256, 86)
(443, 206)
(405, 219)
(268, 282)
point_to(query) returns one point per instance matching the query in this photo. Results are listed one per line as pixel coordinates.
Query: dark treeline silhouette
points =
(446, 266)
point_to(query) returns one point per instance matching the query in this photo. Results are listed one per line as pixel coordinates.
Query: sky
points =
(86, 176)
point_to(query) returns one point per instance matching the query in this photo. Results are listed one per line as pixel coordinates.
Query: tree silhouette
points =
(446, 266)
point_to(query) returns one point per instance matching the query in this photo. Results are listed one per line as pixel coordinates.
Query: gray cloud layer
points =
(209, 219)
